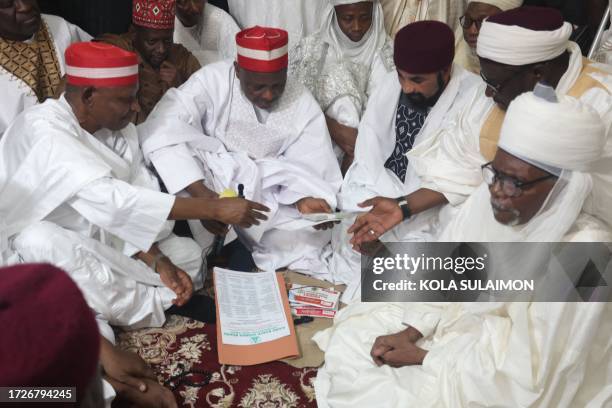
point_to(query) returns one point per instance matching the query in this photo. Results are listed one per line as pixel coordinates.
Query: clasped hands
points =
(399, 349)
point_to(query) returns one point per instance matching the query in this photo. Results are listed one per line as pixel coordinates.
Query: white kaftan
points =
(368, 177)
(212, 39)
(86, 203)
(208, 130)
(299, 18)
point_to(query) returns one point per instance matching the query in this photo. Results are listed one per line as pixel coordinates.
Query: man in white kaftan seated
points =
(32, 49)
(207, 31)
(409, 107)
(342, 64)
(74, 192)
(517, 49)
(517, 354)
(247, 122)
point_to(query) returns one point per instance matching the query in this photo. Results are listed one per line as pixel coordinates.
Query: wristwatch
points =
(403, 205)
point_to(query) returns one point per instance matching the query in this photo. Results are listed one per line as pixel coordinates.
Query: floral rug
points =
(183, 353)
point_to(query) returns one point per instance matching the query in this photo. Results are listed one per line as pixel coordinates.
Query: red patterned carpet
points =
(184, 355)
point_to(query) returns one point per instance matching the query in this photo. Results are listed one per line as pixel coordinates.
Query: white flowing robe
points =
(207, 130)
(450, 163)
(340, 73)
(299, 18)
(367, 177)
(479, 354)
(212, 39)
(16, 94)
(86, 204)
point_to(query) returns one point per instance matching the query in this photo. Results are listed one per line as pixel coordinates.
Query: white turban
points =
(514, 45)
(503, 5)
(566, 134)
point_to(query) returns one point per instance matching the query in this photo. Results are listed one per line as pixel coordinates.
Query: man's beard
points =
(516, 214)
(419, 101)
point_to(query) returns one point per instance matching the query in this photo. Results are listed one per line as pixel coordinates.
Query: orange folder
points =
(284, 347)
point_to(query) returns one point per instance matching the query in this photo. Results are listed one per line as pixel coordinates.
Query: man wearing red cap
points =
(248, 123)
(54, 342)
(32, 49)
(299, 18)
(407, 110)
(162, 64)
(75, 192)
(517, 49)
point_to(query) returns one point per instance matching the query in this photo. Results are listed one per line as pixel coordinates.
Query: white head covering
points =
(564, 134)
(514, 45)
(503, 5)
(567, 134)
(361, 52)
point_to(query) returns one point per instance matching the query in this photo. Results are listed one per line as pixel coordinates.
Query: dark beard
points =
(420, 102)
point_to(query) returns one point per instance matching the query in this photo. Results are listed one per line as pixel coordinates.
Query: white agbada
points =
(16, 94)
(490, 354)
(451, 164)
(208, 130)
(368, 177)
(340, 73)
(86, 203)
(212, 39)
(299, 18)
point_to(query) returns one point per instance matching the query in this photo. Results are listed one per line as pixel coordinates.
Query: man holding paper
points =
(494, 354)
(74, 192)
(247, 122)
(407, 110)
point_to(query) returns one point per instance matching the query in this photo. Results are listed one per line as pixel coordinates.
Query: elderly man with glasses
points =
(517, 49)
(477, 11)
(510, 354)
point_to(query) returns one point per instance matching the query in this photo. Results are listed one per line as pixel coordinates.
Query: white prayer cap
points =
(335, 3)
(563, 133)
(523, 36)
(503, 5)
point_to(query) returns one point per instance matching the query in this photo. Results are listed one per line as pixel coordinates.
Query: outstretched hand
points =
(241, 212)
(310, 205)
(384, 215)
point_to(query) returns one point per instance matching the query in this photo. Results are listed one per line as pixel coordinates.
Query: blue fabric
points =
(408, 124)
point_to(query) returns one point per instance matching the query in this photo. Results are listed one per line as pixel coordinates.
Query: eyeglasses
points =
(467, 21)
(510, 186)
(498, 87)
